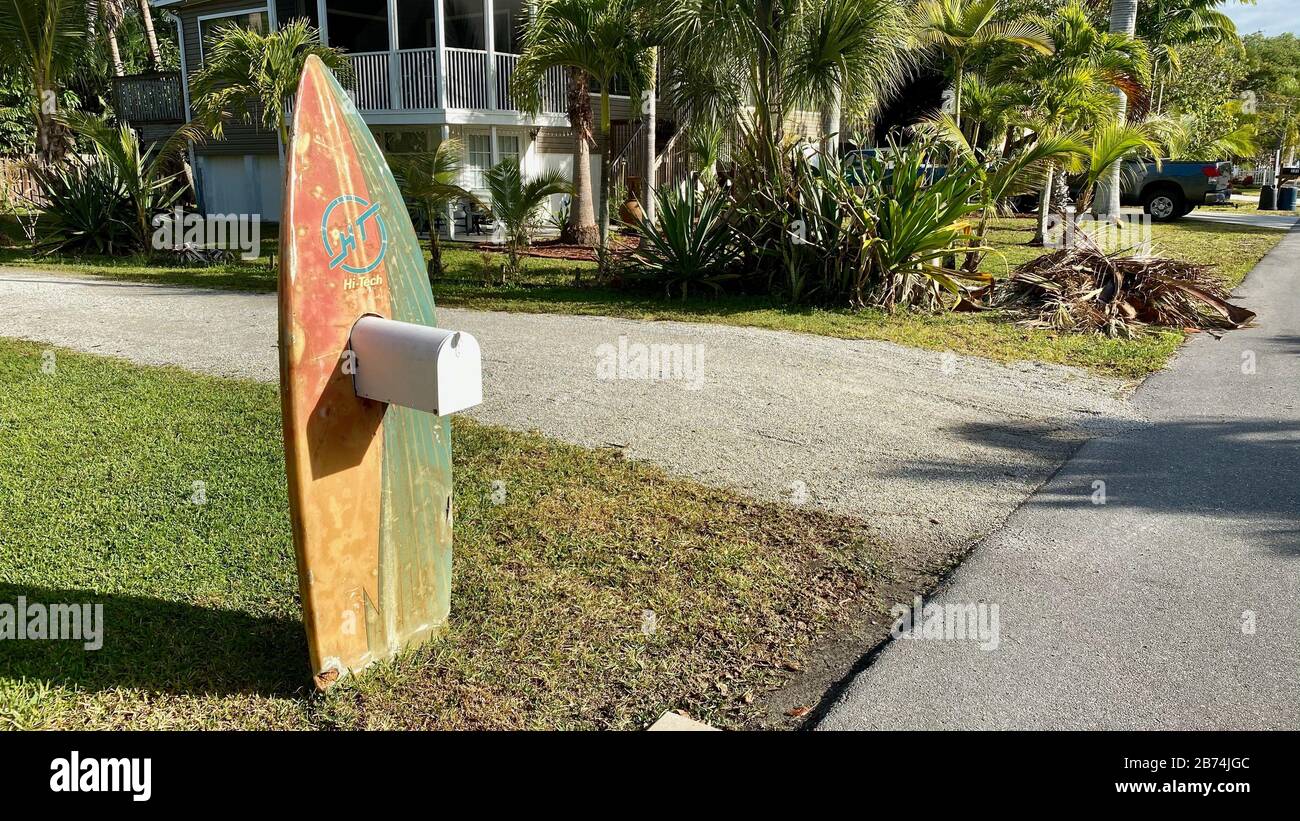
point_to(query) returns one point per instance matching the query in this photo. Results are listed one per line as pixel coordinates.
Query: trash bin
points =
(1267, 198)
(1286, 198)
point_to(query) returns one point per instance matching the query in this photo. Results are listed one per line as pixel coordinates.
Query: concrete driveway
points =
(1154, 582)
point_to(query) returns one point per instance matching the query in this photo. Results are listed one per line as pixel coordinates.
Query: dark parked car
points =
(1173, 190)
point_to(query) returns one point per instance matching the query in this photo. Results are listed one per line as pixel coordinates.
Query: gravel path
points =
(935, 449)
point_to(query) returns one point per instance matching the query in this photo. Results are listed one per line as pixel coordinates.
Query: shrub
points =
(516, 204)
(86, 209)
(692, 244)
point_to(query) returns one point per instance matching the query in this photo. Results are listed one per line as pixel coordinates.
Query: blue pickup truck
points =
(1171, 191)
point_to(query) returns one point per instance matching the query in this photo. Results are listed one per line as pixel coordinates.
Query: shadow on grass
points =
(162, 646)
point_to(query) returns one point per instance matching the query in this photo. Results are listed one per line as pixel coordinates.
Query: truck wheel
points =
(1164, 204)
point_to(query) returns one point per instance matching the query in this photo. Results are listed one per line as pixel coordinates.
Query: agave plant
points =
(515, 204)
(85, 208)
(922, 220)
(150, 176)
(692, 243)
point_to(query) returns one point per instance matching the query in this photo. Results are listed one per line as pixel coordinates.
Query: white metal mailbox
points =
(415, 366)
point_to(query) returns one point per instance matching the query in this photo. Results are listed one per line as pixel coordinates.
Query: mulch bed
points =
(620, 245)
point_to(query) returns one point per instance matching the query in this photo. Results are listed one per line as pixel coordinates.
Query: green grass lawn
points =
(548, 286)
(201, 606)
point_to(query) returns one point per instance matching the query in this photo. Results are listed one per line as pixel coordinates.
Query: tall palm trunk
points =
(1045, 204)
(831, 126)
(958, 76)
(151, 39)
(115, 54)
(648, 116)
(606, 166)
(581, 227)
(1123, 20)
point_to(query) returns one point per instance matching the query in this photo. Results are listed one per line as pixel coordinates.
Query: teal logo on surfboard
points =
(359, 243)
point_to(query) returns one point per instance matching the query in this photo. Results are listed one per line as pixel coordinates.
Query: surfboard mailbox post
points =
(367, 381)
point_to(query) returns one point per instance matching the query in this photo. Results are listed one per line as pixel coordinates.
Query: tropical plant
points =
(601, 40)
(920, 223)
(960, 29)
(691, 244)
(85, 208)
(767, 58)
(146, 19)
(248, 75)
(1000, 177)
(1168, 27)
(41, 40)
(850, 52)
(1123, 22)
(878, 234)
(430, 182)
(1109, 146)
(515, 203)
(148, 176)
(109, 15)
(1072, 87)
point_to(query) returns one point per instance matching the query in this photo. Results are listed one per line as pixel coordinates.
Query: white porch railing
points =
(369, 83)
(416, 87)
(554, 87)
(467, 78)
(419, 77)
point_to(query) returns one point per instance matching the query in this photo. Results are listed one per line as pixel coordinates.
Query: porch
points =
(424, 56)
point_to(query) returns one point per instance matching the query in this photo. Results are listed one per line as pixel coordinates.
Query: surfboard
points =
(369, 483)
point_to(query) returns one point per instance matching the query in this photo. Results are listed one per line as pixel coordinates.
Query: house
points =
(423, 71)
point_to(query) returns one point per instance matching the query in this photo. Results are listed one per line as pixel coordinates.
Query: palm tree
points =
(151, 39)
(40, 40)
(515, 204)
(849, 51)
(1110, 146)
(959, 29)
(1123, 20)
(1002, 175)
(429, 181)
(752, 63)
(1070, 88)
(144, 173)
(1169, 25)
(600, 40)
(109, 15)
(245, 71)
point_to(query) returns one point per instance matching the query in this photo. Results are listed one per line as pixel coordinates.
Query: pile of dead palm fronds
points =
(1082, 289)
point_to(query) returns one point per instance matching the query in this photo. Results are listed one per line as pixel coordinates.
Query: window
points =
(480, 159)
(464, 21)
(358, 25)
(210, 27)
(405, 142)
(508, 146)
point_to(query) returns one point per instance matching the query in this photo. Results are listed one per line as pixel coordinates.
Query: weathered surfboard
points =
(369, 483)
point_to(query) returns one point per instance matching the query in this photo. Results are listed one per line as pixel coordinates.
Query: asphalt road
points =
(1176, 603)
(934, 449)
